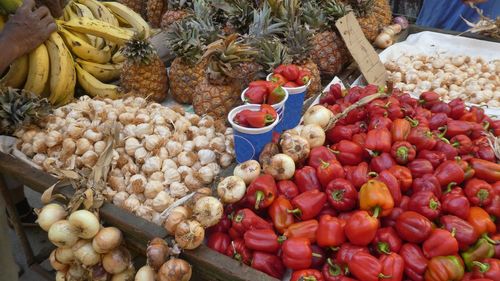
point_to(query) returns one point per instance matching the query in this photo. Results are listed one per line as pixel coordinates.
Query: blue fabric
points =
(445, 14)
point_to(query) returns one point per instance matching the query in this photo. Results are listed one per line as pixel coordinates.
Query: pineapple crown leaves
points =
(263, 26)
(272, 53)
(139, 51)
(238, 12)
(361, 7)
(185, 41)
(202, 20)
(290, 11)
(178, 4)
(313, 15)
(20, 107)
(298, 41)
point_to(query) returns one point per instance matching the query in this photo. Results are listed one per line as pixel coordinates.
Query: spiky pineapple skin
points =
(146, 80)
(183, 79)
(216, 100)
(137, 5)
(171, 16)
(315, 86)
(329, 52)
(379, 16)
(154, 11)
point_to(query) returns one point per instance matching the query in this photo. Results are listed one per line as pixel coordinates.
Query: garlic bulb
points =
(53, 138)
(99, 147)
(187, 158)
(119, 199)
(141, 130)
(178, 189)
(152, 189)
(201, 142)
(140, 155)
(192, 182)
(92, 135)
(168, 164)
(89, 158)
(151, 165)
(153, 142)
(172, 175)
(157, 176)
(137, 184)
(225, 160)
(144, 212)
(205, 174)
(82, 146)
(131, 145)
(184, 171)
(117, 183)
(206, 156)
(217, 144)
(188, 146)
(162, 201)
(131, 203)
(75, 130)
(162, 153)
(174, 148)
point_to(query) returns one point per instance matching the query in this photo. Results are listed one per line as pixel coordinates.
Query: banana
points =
(98, 28)
(84, 11)
(99, 11)
(85, 50)
(118, 56)
(127, 14)
(94, 87)
(62, 70)
(2, 22)
(103, 72)
(39, 70)
(18, 71)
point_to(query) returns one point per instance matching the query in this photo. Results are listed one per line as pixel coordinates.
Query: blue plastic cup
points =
(279, 107)
(249, 142)
(293, 105)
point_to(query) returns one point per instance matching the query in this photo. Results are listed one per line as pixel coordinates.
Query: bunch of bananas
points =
(86, 49)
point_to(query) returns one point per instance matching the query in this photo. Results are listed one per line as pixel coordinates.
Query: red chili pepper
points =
(463, 144)
(382, 162)
(392, 184)
(219, 242)
(449, 172)
(428, 99)
(420, 167)
(455, 203)
(440, 243)
(482, 222)
(386, 241)
(403, 152)
(485, 170)
(329, 171)
(262, 192)
(422, 138)
(464, 232)
(415, 261)
(457, 108)
(438, 120)
(378, 140)
(379, 122)
(457, 127)
(269, 264)
(319, 154)
(479, 192)
(413, 227)
(239, 252)
(487, 268)
(342, 195)
(400, 130)
(361, 228)
(357, 175)
(426, 204)
(246, 219)
(366, 267)
(307, 275)
(306, 179)
(264, 240)
(449, 151)
(288, 189)
(330, 231)
(427, 182)
(348, 152)
(297, 253)
(392, 267)
(403, 175)
(278, 211)
(435, 157)
(303, 229)
(256, 95)
(308, 204)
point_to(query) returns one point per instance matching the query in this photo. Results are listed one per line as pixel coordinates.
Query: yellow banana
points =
(85, 50)
(103, 72)
(18, 71)
(99, 11)
(127, 14)
(62, 70)
(69, 14)
(84, 11)
(118, 56)
(98, 28)
(94, 87)
(39, 70)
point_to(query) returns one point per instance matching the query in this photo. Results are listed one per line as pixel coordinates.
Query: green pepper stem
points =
(296, 212)
(433, 204)
(482, 194)
(383, 247)
(238, 218)
(333, 269)
(372, 174)
(382, 276)
(455, 144)
(324, 164)
(376, 211)
(486, 125)
(316, 255)
(449, 186)
(402, 153)
(483, 267)
(282, 239)
(413, 122)
(259, 196)
(491, 241)
(338, 195)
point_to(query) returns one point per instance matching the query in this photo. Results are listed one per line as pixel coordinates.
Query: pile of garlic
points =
(470, 78)
(162, 153)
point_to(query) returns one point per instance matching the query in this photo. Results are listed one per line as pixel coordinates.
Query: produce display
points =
(256, 118)
(372, 186)
(291, 76)
(264, 92)
(472, 79)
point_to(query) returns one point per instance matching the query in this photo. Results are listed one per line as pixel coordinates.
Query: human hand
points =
(28, 28)
(55, 6)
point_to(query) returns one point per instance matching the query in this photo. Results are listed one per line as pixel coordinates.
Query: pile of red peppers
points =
(404, 189)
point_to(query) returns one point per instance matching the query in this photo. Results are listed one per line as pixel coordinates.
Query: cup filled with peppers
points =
(295, 80)
(253, 128)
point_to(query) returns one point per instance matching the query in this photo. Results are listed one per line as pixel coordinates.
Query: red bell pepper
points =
(457, 108)
(403, 175)
(496, 237)
(276, 93)
(405, 200)
(304, 77)
(482, 222)
(306, 179)
(494, 208)
(457, 127)
(340, 132)
(387, 241)
(483, 150)
(246, 219)
(463, 144)
(347, 251)
(382, 162)
(403, 152)
(239, 252)
(378, 140)
(264, 240)
(378, 122)
(334, 93)
(438, 120)
(357, 175)
(486, 170)
(361, 228)
(348, 152)
(318, 256)
(426, 204)
(288, 189)
(481, 250)
(366, 267)
(449, 172)
(222, 226)
(455, 203)
(269, 264)
(308, 204)
(413, 227)
(375, 197)
(219, 242)
(392, 267)
(319, 154)
(278, 79)
(435, 157)
(258, 119)
(391, 219)
(444, 268)
(262, 192)
(422, 138)
(269, 110)
(307, 275)
(334, 272)
(475, 114)
(342, 195)
(479, 192)
(278, 211)
(487, 268)
(420, 167)
(400, 130)
(428, 99)
(303, 229)
(440, 243)
(329, 171)
(256, 95)
(427, 182)
(392, 184)
(464, 232)
(289, 71)
(449, 151)
(297, 253)
(415, 261)
(330, 231)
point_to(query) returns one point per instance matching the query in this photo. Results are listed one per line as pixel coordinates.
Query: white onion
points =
(65, 255)
(63, 234)
(248, 171)
(314, 134)
(175, 270)
(116, 261)
(126, 275)
(157, 253)
(86, 223)
(55, 263)
(145, 273)
(85, 253)
(208, 211)
(281, 167)
(107, 239)
(295, 146)
(50, 214)
(189, 234)
(232, 189)
(177, 215)
(318, 115)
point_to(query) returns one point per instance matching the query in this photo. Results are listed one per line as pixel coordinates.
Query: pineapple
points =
(154, 12)
(236, 15)
(136, 5)
(372, 15)
(19, 108)
(230, 63)
(328, 49)
(272, 53)
(263, 26)
(144, 73)
(176, 11)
